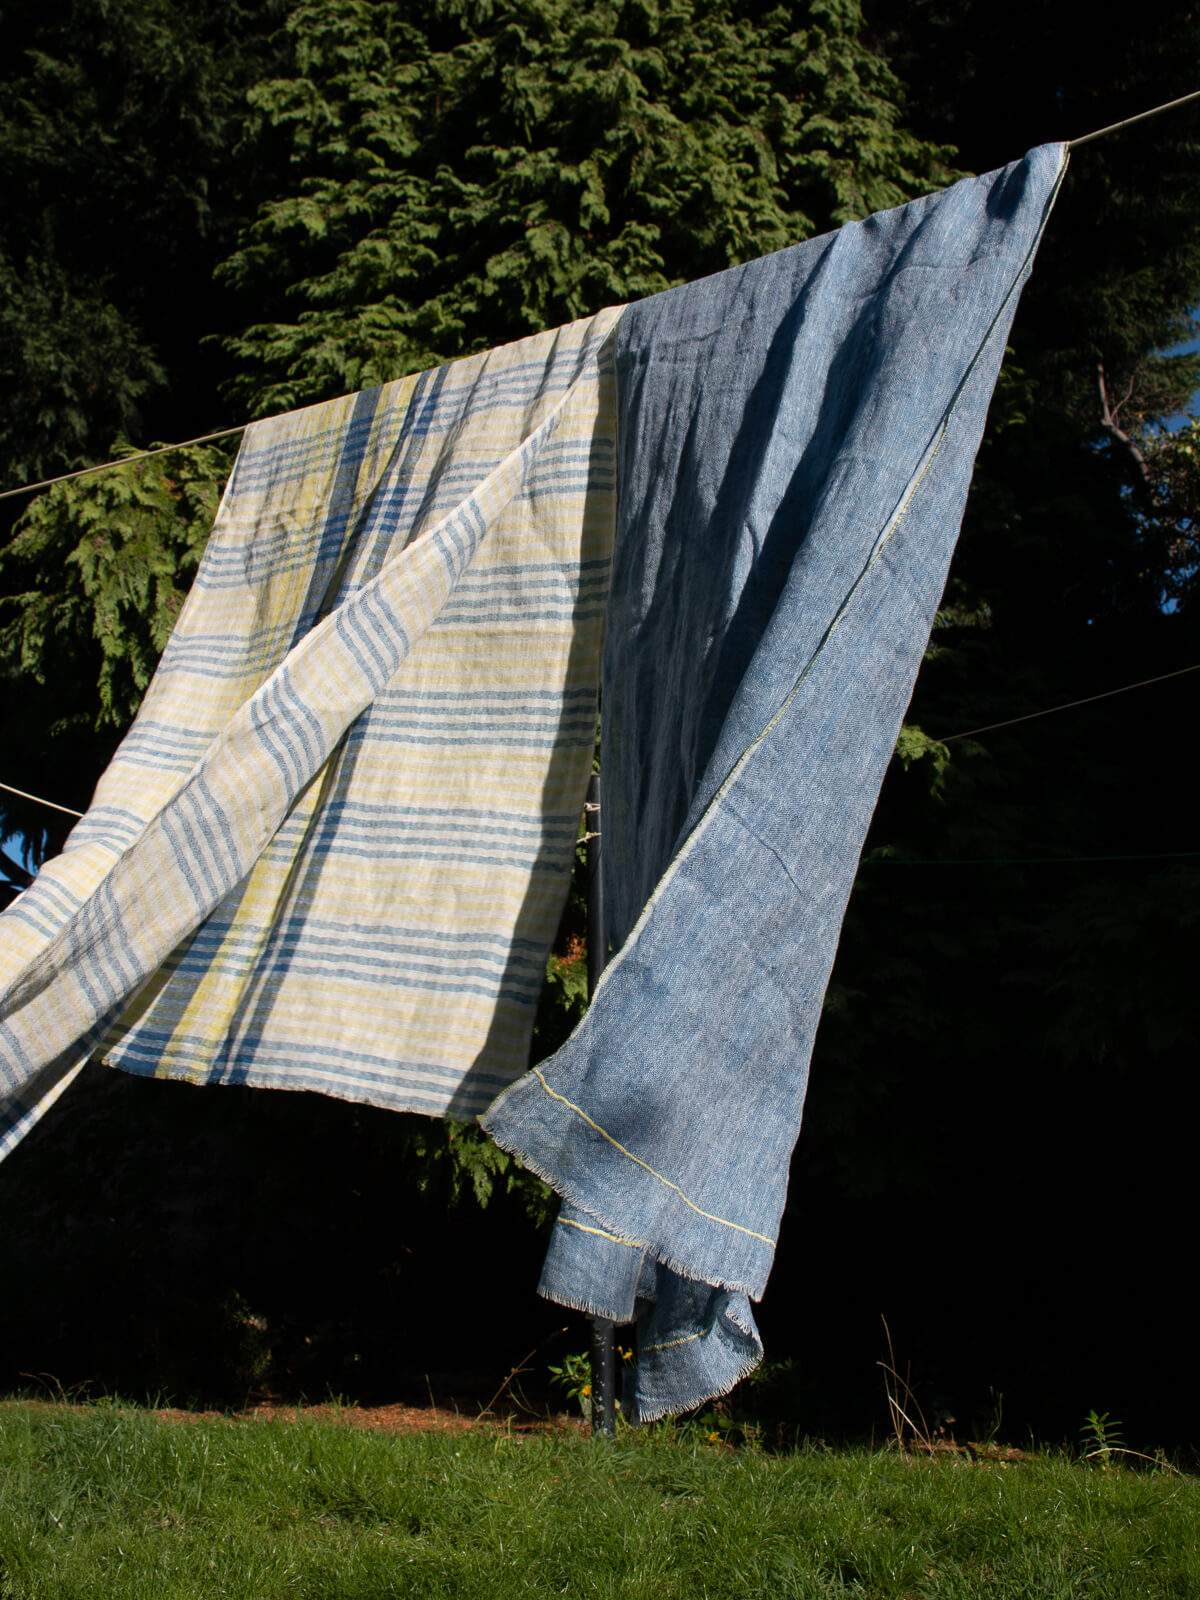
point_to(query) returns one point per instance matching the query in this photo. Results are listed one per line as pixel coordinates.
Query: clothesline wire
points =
(39, 800)
(1029, 716)
(1086, 138)
(225, 433)
(911, 861)
(1068, 705)
(123, 461)
(1021, 861)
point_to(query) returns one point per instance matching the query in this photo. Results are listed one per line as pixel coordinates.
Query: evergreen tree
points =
(118, 192)
(465, 173)
(440, 178)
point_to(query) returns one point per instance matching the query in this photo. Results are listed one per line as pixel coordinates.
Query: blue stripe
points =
(375, 818)
(478, 611)
(177, 834)
(550, 864)
(296, 937)
(301, 964)
(572, 727)
(494, 741)
(287, 1052)
(469, 698)
(262, 717)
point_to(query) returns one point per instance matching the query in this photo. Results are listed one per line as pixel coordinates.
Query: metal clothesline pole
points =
(604, 1398)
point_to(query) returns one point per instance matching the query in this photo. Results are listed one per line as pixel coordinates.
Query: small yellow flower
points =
(714, 1438)
(587, 1389)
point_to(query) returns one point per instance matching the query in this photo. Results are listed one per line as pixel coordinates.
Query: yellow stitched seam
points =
(889, 528)
(906, 499)
(565, 1222)
(931, 451)
(670, 1344)
(618, 1145)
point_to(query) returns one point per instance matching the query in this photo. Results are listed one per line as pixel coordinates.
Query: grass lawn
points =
(109, 1501)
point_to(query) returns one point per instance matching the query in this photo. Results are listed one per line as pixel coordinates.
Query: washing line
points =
(1098, 133)
(1020, 861)
(1068, 705)
(123, 461)
(1029, 716)
(225, 433)
(38, 800)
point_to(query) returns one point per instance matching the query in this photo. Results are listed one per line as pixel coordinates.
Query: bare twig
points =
(920, 1430)
(54, 1386)
(516, 1372)
(1120, 1450)
(1108, 421)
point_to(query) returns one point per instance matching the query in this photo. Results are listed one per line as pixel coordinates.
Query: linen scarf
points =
(795, 447)
(332, 851)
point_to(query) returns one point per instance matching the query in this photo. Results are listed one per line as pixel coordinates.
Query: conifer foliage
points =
(107, 568)
(463, 173)
(379, 185)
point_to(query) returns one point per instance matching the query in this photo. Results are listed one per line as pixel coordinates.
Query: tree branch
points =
(1128, 446)
(14, 871)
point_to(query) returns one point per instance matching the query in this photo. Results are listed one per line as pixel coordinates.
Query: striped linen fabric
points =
(332, 852)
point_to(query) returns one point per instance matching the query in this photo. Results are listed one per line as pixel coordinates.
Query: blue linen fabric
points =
(796, 438)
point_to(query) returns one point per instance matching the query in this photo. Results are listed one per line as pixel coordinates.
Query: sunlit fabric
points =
(796, 442)
(332, 851)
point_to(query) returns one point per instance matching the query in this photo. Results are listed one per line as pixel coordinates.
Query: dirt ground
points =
(374, 1419)
(394, 1418)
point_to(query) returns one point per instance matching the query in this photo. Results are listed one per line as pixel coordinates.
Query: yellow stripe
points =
(619, 1146)
(670, 1344)
(260, 558)
(601, 1233)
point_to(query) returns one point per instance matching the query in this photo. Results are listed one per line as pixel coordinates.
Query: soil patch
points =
(373, 1419)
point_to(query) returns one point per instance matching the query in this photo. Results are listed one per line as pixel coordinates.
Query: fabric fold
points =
(796, 442)
(691, 1338)
(332, 851)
